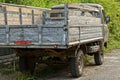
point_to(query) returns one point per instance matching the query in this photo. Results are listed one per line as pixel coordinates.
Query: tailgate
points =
(34, 35)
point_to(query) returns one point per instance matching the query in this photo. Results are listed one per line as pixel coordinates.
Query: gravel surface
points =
(110, 70)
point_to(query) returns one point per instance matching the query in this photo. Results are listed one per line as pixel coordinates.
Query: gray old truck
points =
(63, 34)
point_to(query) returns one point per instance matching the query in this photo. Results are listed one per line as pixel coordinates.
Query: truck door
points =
(105, 27)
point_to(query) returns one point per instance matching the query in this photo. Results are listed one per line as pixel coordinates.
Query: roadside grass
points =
(6, 70)
(25, 77)
(43, 73)
(40, 72)
(112, 44)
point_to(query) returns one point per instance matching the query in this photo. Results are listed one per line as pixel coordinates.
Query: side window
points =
(91, 14)
(82, 13)
(95, 14)
(87, 14)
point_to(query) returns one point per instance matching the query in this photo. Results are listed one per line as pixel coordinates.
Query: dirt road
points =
(110, 70)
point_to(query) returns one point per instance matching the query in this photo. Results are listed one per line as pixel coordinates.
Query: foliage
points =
(7, 71)
(25, 77)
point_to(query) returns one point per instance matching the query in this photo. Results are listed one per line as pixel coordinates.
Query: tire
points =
(31, 63)
(99, 56)
(26, 64)
(23, 64)
(77, 64)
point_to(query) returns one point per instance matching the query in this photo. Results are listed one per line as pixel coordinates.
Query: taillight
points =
(22, 42)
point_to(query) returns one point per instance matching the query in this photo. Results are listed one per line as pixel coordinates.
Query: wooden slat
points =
(57, 11)
(25, 10)
(57, 18)
(11, 8)
(23, 6)
(15, 15)
(38, 20)
(7, 56)
(38, 11)
(9, 59)
(82, 20)
(2, 22)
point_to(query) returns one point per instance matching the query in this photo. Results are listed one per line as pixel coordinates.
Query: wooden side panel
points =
(11, 8)
(53, 35)
(26, 19)
(38, 17)
(13, 18)
(38, 11)
(24, 34)
(74, 34)
(78, 17)
(85, 33)
(84, 26)
(81, 20)
(2, 18)
(27, 16)
(3, 37)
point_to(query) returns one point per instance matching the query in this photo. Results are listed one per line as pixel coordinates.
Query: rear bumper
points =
(35, 46)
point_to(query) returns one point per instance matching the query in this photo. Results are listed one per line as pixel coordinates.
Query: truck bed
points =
(48, 37)
(23, 28)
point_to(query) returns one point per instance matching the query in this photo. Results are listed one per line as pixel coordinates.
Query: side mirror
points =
(107, 19)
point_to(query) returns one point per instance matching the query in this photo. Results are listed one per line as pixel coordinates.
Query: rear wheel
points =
(99, 56)
(27, 64)
(31, 63)
(23, 64)
(77, 64)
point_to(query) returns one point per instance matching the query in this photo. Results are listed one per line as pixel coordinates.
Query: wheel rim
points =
(102, 56)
